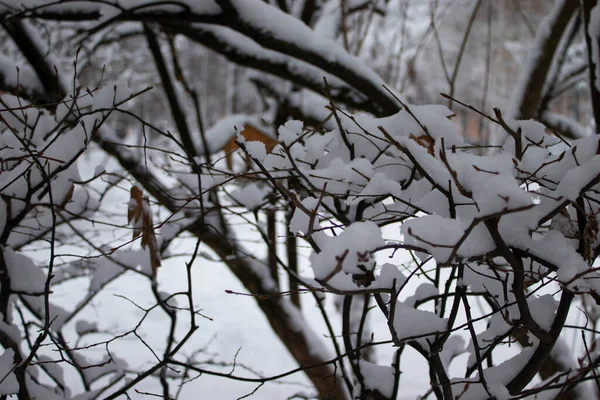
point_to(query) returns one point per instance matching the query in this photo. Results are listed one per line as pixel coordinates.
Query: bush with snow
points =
(465, 253)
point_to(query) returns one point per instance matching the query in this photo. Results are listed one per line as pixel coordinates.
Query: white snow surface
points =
(348, 250)
(418, 325)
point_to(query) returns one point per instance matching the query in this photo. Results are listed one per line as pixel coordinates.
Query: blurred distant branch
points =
(593, 44)
(536, 66)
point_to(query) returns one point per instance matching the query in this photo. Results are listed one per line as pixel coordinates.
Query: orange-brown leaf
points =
(139, 215)
(67, 198)
(136, 205)
(424, 141)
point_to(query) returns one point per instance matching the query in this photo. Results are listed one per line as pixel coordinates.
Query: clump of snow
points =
(389, 274)
(350, 251)
(378, 377)
(543, 310)
(290, 131)
(423, 291)
(454, 346)
(379, 185)
(257, 150)
(499, 194)
(413, 324)
(300, 223)
(251, 196)
(441, 235)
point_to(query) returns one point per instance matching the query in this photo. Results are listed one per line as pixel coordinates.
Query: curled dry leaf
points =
(424, 141)
(139, 215)
(68, 198)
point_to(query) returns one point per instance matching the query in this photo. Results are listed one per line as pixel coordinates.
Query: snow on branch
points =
(492, 220)
(244, 51)
(268, 26)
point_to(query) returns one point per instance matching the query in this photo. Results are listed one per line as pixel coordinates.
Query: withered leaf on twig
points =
(139, 215)
(68, 197)
(424, 141)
